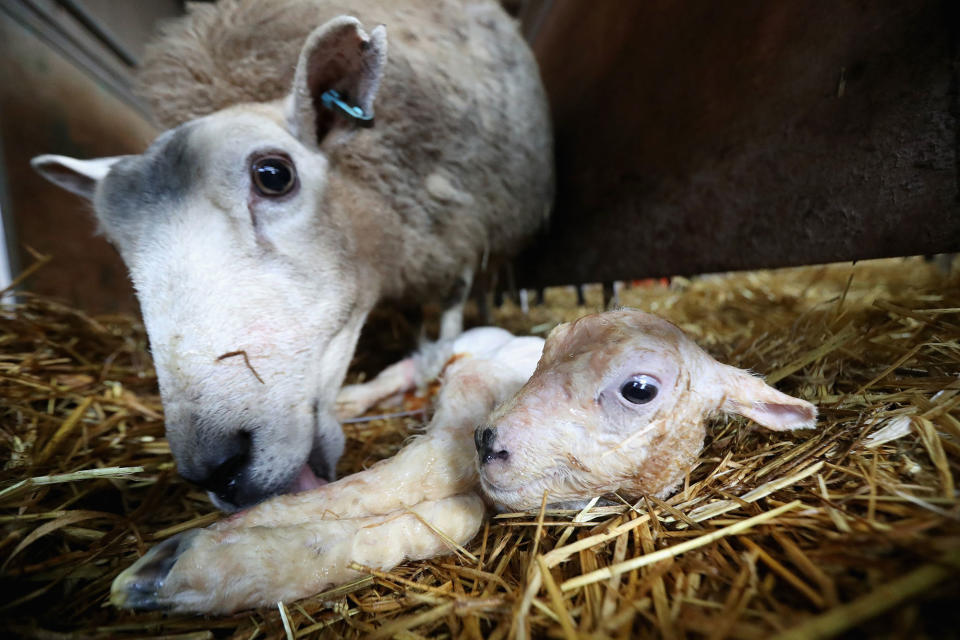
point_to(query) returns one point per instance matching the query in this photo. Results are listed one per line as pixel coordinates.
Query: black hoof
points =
(139, 586)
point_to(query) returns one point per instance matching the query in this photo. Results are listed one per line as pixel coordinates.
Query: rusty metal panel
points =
(700, 136)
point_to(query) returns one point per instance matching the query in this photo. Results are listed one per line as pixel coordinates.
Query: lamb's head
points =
(253, 282)
(618, 403)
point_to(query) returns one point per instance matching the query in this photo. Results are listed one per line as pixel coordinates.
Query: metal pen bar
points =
(97, 30)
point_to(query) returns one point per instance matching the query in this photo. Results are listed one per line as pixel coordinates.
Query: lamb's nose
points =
(484, 438)
(223, 465)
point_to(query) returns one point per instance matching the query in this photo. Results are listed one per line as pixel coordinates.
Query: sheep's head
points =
(618, 403)
(253, 277)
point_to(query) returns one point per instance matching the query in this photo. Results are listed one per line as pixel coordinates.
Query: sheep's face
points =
(232, 250)
(618, 403)
(252, 281)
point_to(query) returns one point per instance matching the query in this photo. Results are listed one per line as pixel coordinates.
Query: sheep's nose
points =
(221, 467)
(484, 438)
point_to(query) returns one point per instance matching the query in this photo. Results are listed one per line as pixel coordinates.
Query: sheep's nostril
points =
(226, 466)
(224, 480)
(484, 438)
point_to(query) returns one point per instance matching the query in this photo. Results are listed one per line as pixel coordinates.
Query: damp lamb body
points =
(271, 217)
(617, 402)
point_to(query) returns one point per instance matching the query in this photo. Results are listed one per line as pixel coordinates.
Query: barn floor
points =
(852, 529)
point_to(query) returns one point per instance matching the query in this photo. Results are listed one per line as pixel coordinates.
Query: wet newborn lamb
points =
(617, 402)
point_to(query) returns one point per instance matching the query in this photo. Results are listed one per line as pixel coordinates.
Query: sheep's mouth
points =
(314, 473)
(317, 470)
(307, 479)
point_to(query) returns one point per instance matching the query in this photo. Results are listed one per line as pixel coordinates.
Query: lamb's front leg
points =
(354, 399)
(222, 571)
(420, 368)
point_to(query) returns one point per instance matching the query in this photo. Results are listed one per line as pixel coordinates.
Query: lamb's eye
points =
(273, 176)
(639, 390)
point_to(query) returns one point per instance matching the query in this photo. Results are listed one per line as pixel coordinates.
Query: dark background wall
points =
(707, 136)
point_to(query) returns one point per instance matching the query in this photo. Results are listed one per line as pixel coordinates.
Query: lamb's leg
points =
(419, 369)
(406, 375)
(211, 571)
(354, 399)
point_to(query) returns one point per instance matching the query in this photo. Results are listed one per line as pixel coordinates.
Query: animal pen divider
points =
(855, 525)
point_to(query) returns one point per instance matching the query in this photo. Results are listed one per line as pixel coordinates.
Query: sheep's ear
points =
(77, 176)
(336, 80)
(750, 396)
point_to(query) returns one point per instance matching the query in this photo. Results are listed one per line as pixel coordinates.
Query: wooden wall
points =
(707, 136)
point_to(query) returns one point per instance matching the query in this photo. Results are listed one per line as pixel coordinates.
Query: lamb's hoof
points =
(352, 401)
(139, 586)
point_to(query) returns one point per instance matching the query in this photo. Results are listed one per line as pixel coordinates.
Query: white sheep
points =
(617, 402)
(309, 174)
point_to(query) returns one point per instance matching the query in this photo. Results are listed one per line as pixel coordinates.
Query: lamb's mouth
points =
(496, 492)
(525, 495)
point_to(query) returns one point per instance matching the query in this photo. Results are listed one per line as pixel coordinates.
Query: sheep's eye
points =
(639, 390)
(273, 176)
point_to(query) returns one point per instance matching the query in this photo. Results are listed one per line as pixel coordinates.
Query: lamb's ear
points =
(559, 332)
(556, 342)
(77, 176)
(750, 396)
(339, 57)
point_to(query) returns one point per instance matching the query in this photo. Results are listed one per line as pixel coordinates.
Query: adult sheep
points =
(263, 227)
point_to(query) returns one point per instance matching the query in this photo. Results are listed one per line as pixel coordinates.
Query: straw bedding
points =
(853, 528)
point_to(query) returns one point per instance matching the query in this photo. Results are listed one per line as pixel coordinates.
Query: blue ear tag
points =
(332, 100)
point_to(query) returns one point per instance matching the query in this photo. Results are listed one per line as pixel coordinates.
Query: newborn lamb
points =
(617, 402)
